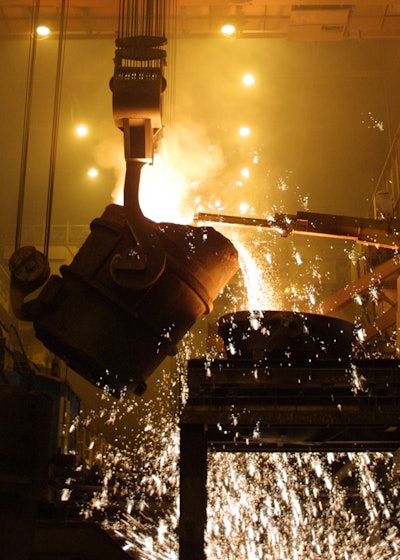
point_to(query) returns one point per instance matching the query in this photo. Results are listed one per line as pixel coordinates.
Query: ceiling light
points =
(228, 29)
(43, 31)
(81, 130)
(92, 172)
(244, 131)
(248, 80)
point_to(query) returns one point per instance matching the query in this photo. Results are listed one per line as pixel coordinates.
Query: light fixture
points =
(244, 131)
(228, 30)
(81, 130)
(42, 31)
(248, 80)
(92, 172)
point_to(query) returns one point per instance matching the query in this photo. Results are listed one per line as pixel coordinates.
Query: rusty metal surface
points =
(367, 231)
(115, 336)
(267, 405)
(376, 277)
(240, 405)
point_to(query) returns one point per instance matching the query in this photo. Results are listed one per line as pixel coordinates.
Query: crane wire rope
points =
(56, 120)
(141, 18)
(27, 121)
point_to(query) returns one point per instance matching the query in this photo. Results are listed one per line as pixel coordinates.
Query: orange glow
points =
(260, 288)
(181, 180)
(161, 193)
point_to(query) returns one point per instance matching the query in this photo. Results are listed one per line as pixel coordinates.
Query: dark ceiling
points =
(302, 20)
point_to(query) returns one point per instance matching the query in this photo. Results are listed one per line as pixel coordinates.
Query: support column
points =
(193, 491)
